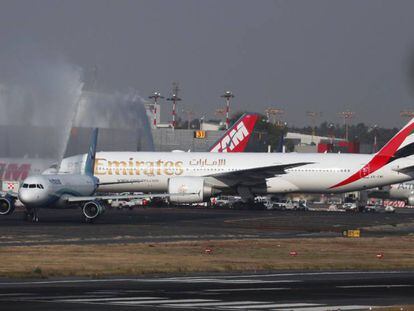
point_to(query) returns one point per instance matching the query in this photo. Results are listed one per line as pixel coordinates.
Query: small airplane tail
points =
(90, 159)
(235, 139)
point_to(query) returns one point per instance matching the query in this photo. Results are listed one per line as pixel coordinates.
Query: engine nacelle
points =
(6, 205)
(92, 210)
(193, 190)
(411, 200)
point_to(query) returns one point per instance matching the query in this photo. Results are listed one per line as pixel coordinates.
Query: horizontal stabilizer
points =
(405, 170)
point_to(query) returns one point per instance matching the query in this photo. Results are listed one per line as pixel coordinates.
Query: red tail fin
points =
(236, 138)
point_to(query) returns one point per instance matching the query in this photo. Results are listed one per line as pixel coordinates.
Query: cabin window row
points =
(31, 186)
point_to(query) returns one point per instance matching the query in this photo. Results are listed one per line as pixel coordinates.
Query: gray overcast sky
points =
(297, 55)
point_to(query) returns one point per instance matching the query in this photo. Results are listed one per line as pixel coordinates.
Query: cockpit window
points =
(25, 186)
(39, 186)
(32, 186)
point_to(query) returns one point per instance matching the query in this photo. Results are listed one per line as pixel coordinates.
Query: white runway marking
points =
(216, 304)
(111, 299)
(274, 305)
(258, 276)
(68, 297)
(246, 289)
(326, 308)
(161, 301)
(166, 302)
(375, 286)
(221, 281)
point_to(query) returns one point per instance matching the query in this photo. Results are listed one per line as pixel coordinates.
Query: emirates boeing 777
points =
(248, 174)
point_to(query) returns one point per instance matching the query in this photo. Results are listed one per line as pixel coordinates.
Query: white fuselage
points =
(51, 190)
(154, 169)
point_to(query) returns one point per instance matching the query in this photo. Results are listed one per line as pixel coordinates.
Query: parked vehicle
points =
(390, 209)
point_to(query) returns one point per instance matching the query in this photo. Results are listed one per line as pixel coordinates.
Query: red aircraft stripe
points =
(381, 158)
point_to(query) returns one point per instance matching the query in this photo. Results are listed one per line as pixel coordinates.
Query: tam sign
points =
(14, 171)
(232, 140)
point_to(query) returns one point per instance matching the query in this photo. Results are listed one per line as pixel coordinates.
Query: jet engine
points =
(6, 205)
(411, 200)
(190, 190)
(92, 209)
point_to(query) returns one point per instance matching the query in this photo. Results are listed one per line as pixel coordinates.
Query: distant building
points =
(209, 126)
(306, 143)
(167, 139)
(306, 139)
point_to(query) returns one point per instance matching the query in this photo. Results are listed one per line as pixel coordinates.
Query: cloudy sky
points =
(325, 56)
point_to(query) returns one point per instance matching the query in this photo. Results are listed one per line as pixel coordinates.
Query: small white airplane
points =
(65, 191)
(402, 191)
(203, 175)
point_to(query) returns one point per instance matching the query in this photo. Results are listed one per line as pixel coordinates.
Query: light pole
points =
(375, 145)
(331, 127)
(174, 98)
(276, 113)
(227, 95)
(347, 115)
(155, 96)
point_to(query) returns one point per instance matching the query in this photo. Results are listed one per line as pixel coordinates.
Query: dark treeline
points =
(357, 132)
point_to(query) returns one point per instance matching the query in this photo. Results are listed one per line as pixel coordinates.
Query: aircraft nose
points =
(25, 197)
(30, 197)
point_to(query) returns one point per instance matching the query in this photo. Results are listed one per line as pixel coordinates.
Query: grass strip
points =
(191, 256)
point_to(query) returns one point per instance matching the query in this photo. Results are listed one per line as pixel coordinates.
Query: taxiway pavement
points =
(177, 224)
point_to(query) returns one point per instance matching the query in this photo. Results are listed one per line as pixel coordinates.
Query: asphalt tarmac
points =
(299, 291)
(176, 224)
(272, 291)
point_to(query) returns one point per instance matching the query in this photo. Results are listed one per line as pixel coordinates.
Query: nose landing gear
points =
(31, 215)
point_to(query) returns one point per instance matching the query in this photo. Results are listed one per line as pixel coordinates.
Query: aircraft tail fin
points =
(90, 159)
(235, 139)
(401, 145)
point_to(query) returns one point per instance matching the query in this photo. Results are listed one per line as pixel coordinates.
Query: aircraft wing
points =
(123, 197)
(255, 176)
(119, 182)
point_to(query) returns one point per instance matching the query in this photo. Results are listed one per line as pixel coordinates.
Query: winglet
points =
(235, 139)
(90, 159)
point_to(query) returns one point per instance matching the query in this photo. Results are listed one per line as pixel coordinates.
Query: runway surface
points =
(301, 291)
(176, 224)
